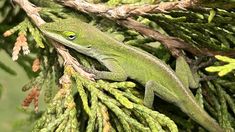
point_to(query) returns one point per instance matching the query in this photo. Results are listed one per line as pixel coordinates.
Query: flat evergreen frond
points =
(223, 69)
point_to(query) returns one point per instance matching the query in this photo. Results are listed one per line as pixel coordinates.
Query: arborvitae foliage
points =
(75, 103)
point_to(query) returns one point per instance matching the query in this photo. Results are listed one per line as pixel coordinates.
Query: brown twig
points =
(69, 60)
(171, 43)
(124, 11)
(32, 12)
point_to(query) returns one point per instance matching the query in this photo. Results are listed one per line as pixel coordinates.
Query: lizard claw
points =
(91, 76)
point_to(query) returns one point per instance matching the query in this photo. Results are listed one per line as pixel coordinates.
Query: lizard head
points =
(70, 32)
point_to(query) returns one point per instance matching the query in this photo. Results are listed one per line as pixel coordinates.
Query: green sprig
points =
(224, 69)
(25, 26)
(118, 104)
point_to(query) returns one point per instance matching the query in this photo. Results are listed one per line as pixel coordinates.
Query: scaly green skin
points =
(124, 61)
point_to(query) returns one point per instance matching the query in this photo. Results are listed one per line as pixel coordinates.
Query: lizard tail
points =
(199, 115)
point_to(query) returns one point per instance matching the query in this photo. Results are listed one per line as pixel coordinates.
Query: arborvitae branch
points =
(117, 106)
(225, 69)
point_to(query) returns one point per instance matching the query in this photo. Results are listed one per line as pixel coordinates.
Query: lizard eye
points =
(69, 35)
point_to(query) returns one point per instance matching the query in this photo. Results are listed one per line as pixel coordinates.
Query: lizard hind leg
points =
(152, 87)
(183, 71)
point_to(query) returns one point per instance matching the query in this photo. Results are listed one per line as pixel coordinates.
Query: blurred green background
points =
(12, 96)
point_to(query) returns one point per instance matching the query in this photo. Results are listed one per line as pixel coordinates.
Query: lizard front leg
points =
(115, 73)
(109, 75)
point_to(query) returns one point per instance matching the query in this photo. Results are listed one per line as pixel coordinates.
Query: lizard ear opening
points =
(69, 35)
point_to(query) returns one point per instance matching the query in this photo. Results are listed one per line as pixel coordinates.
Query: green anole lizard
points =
(124, 61)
